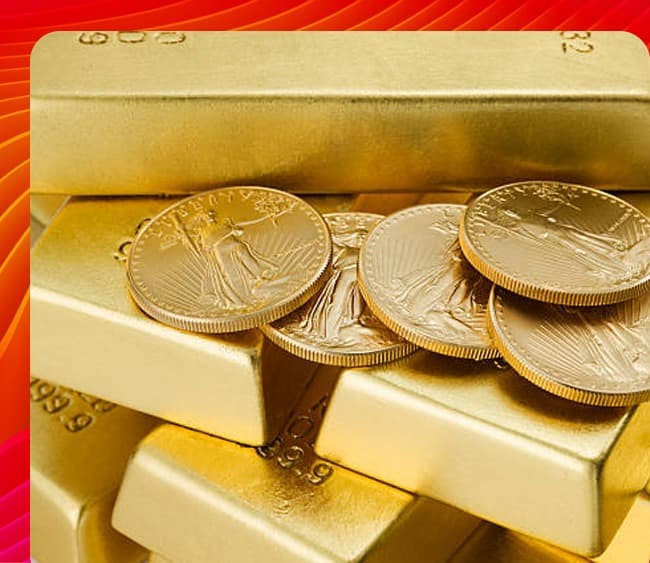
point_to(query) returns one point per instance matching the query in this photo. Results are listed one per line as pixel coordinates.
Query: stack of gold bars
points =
(429, 355)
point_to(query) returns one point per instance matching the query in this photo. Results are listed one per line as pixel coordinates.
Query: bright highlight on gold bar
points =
(192, 498)
(44, 207)
(87, 333)
(331, 111)
(485, 440)
(79, 449)
(492, 544)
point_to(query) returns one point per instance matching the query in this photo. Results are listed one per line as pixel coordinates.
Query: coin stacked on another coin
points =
(570, 309)
(553, 277)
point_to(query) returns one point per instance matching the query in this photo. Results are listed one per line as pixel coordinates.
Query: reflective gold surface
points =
(44, 207)
(322, 111)
(415, 279)
(79, 449)
(229, 260)
(336, 327)
(559, 243)
(601, 355)
(192, 498)
(489, 442)
(88, 334)
(492, 544)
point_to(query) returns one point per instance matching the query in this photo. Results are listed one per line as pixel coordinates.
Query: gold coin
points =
(229, 259)
(414, 278)
(335, 327)
(592, 355)
(559, 243)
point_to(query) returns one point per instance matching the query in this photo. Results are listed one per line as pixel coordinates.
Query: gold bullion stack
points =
(248, 375)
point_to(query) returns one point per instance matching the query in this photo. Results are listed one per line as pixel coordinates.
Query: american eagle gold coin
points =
(559, 243)
(415, 279)
(229, 259)
(593, 355)
(335, 326)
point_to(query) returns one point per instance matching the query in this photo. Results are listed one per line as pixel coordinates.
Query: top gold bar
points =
(116, 113)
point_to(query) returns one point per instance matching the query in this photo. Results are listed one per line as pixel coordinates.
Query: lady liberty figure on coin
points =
(234, 270)
(447, 294)
(338, 314)
(595, 251)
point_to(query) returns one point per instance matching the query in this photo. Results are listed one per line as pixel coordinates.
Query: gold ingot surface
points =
(229, 260)
(35, 230)
(492, 544)
(44, 207)
(335, 326)
(600, 355)
(414, 277)
(332, 111)
(79, 449)
(193, 498)
(485, 440)
(87, 333)
(559, 243)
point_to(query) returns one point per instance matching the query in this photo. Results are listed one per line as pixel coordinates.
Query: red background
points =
(22, 23)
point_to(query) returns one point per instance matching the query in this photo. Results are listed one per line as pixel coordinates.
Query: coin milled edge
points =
(499, 335)
(453, 350)
(531, 291)
(243, 322)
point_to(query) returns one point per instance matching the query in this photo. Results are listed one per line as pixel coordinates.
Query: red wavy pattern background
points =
(22, 23)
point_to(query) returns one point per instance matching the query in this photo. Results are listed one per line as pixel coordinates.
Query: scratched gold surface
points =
(416, 280)
(484, 439)
(88, 334)
(229, 260)
(335, 326)
(559, 243)
(600, 355)
(79, 449)
(192, 498)
(338, 111)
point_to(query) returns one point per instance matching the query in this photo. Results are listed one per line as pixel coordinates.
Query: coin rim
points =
(518, 360)
(530, 289)
(444, 348)
(313, 353)
(234, 323)
(340, 359)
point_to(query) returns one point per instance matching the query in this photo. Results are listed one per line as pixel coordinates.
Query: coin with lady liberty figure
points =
(559, 243)
(335, 326)
(593, 355)
(229, 259)
(416, 280)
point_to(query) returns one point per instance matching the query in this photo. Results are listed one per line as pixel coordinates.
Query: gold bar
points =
(43, 208)
(79, 449)
(192, 498)
(480, 437)
(492, 544)
(35, 230)
(87, 333)
(337, 111)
